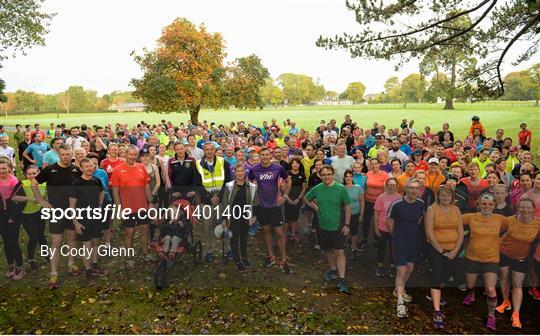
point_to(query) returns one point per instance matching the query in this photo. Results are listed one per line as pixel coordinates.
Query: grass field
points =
(493, 116)
(212, 298)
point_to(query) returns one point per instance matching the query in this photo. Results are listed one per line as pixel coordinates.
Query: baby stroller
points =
(187, 244)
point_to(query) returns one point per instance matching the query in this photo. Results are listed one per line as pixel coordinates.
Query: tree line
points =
(74, 99)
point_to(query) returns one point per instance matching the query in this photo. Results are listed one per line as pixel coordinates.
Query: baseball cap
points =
(433, 160)
(417, 152)
(475, 118)
(452, 177)
(512, 149)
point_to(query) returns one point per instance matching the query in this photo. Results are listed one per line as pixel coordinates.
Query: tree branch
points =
(454, 36)
(433, 25)
(509, 45)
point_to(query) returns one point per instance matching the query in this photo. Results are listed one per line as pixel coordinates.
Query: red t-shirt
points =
(109, 165)
(423, 165)
(131, 180)
(523, 135)
(450, 155)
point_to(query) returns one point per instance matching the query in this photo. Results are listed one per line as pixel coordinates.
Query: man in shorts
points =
(332, 200)
(59, 178)
(88, 192)
(132, 191)
(404, 218)
(267, 174)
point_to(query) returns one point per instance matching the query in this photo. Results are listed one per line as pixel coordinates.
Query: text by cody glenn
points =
(86, 252)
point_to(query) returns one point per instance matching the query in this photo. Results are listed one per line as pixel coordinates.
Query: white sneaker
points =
(401, 311)
(406, 297)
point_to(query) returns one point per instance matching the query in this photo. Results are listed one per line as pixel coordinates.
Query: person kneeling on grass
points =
(87, 191)
(328, 199)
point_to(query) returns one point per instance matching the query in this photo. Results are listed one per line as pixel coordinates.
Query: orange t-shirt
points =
(484, 243)
(518, 237)
(375, 185)
(434, 181)
(402, 180)
(445, 226)
(131, 181)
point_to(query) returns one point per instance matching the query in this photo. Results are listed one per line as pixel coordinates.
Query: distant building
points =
(370, 96)
(127, 107)
(333, 102)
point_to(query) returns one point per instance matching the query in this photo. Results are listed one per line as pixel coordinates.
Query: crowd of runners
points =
(459, 209)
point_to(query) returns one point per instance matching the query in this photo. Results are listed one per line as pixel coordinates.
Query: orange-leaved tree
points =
(186, 72)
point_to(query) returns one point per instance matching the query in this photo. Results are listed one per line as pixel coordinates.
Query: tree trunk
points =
(194, 115)
(536, 103)
(449, 100)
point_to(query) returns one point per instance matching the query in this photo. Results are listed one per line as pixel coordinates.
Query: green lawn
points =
(493, 115)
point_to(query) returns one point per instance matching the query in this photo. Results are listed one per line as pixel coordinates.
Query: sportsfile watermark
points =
(117, 212)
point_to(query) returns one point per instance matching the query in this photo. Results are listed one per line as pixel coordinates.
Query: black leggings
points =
(381, 243)
(35, 229)
(441, 267)
(239, 239)
(368, 216)
(10, 236)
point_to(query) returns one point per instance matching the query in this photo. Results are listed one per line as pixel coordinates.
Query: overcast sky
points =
(90, 41)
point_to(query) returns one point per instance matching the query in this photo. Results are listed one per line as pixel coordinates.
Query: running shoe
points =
(462, 287)
(442, 301)
(240, 267)
(402, 311)
(285, 267)
(19, 273)
(438, 320)
(469, 299)
(330, 275)
(246, 263)
(504, 306)
(269, 261)
(343, 286)
(209, 257)
(406, 297)
(74, 270)
(381, 271)
(53, 281)
(89, 278)
(317, 247)
(490, 323)
(535, 293)
(11, 271)
(33, 264)
(516, 323)
(99, 271)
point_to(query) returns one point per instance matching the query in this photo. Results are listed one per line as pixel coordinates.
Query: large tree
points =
(355, 92)
(243, 80)
(9, 104)
(405, 29)
(28, 101)
(271, 94)
(22, 25)
(413, 88)
(300, 89)
(184, 72)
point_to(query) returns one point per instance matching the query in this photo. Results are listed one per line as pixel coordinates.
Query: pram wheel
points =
(197, 253)
(160, 275)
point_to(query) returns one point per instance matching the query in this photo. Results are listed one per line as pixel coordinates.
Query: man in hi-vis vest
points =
(212, 173)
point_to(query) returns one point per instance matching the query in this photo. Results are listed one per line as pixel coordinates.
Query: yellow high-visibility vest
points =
(212, 182)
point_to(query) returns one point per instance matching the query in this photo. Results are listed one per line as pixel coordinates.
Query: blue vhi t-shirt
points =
(406, 218)
(38, 151)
